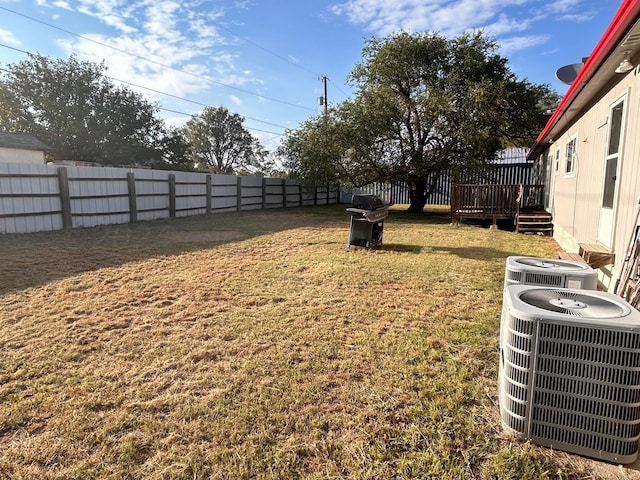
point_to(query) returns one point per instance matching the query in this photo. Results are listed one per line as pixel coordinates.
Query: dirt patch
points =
(595, 469)
(13, 438)
(204, 236)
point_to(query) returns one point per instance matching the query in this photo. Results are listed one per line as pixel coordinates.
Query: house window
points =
(557, 165)
(613, 153)
(570, 157)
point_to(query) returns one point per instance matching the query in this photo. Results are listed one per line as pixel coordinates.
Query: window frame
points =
(571, 160)
(557, 162)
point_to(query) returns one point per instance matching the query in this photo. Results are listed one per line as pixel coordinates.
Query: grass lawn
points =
(254, 345)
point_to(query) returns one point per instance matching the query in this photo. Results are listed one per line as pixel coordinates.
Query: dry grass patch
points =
(255, 345)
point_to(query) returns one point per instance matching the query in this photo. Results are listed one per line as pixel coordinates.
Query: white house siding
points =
(576, 198)
(18, 155)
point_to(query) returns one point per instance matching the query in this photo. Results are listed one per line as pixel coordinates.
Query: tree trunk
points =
(417, 195)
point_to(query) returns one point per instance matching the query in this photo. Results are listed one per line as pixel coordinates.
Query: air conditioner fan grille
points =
(573, 303)
(550, 264)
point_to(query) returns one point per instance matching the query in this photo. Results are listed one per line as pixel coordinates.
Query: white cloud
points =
(161, 20)
(8, 37)
(235, 100)
(155, 46)
(450, 17)
(512, 44)
(504, 25)
(497, 18)
(145, 63)
(62, 4)
(563, 6)
(113, 13)
(578, 17)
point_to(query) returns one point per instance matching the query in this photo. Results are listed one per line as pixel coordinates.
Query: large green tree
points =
(424, 104)
(82, 115)
(175, 150)
(220, 143)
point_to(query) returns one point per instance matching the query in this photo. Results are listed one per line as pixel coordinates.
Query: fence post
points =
(315, 195)
(284, 193)
(133, 203)
(65, 198)
(300, 194)
(172, 195)
(239, 194)
(209, 194)
(264, 193)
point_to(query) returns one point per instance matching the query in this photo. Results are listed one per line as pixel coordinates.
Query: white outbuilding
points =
(21, 148)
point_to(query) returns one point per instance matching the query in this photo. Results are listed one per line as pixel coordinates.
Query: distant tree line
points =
(74, 108)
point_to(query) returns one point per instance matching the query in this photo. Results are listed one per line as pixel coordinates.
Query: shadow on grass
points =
(34, 259)
(474, 253)
(434, 214)
(395, 247)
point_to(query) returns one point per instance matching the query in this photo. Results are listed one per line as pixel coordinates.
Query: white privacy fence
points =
(36, 198)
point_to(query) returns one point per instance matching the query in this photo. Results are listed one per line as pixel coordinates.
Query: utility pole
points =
(323, 99)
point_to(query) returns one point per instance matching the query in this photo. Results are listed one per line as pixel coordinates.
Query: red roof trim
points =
(621, 23)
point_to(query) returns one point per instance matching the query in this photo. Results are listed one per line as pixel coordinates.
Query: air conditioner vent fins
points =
(549, 272)
(568, 381)
(544, 279)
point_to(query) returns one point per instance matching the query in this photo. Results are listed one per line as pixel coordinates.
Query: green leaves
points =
(424, 104)
(220, 143)
(72, 107)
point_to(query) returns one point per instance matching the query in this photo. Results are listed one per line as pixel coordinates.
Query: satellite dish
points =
(568, 73)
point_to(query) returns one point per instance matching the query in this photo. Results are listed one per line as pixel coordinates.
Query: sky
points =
(266, 59)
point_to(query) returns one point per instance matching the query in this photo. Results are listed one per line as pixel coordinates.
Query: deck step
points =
(596, 255)
(574, 257)
(538, 222)
(534, 218)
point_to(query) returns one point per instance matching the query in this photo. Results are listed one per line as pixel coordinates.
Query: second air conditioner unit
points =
(549, 272)
(570, 371)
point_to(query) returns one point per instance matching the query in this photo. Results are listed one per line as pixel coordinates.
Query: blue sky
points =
(264, 59)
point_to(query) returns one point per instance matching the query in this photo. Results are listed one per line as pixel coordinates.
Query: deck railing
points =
(493, 201)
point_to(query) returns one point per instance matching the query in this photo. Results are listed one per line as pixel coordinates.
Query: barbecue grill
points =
(367, 220)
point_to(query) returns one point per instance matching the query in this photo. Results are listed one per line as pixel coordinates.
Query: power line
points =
(188, 100)
(140, 57)
(339, 89)
(248, 128)
(257, 45)
(169, 95)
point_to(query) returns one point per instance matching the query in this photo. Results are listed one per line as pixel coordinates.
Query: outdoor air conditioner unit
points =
(570, 371)
(549, 272)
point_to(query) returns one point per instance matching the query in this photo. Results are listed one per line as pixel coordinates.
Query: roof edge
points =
(622, 21)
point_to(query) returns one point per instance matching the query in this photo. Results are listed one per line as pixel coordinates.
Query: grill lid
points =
(367, 202)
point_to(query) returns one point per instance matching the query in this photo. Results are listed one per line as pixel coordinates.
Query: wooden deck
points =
(498, 202)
